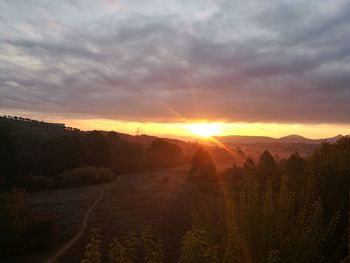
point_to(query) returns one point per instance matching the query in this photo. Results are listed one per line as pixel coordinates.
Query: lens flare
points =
(204, 130)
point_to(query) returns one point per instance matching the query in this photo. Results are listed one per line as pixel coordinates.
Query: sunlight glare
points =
(204, 130)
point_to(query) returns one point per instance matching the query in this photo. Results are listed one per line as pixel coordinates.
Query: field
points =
(68, 207)
(161, 199)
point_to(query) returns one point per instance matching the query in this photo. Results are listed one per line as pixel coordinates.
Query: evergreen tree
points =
(203, 166)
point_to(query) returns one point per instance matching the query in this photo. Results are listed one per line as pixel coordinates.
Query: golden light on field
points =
(204, 130)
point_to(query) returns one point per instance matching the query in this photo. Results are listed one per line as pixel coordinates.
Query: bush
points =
(72, 178)
(153, 247)
(86, 176)
(123, 251)
(134, 248)
(92, 252)
(197, 246)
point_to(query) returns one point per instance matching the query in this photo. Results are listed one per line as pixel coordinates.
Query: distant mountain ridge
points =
(58, 128)
(293, 138)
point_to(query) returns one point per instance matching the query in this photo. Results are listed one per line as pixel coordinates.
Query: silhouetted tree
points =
(294, 167)
(125, 156)
(61, 154)
(162, 154)
(268, 169)
(249, 167)
(97, 149)
(203, 166)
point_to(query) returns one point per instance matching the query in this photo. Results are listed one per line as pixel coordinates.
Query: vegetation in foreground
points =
(20, 229)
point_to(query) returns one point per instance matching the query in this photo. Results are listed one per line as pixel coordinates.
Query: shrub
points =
(153, 248)
(86, 176)
(197, 246)
(92, 252)
(71, 178)
(123, 252)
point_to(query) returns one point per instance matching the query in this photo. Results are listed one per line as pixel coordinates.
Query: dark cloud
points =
(284, 61)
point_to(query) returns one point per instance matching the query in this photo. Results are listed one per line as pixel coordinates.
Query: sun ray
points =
(204, 130)
(233, 153)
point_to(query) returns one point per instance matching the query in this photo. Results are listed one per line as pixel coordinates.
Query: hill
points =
(294, 138)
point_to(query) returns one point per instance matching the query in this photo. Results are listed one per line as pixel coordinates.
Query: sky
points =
(250, 67)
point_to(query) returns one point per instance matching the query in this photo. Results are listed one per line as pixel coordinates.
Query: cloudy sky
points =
(128, 63)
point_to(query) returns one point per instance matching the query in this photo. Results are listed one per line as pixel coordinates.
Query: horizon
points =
(266, 69)
(182, 131)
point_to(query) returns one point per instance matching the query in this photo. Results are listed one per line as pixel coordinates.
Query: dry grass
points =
(163, 200)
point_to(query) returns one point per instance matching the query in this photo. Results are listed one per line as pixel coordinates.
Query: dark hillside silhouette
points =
(34, 152)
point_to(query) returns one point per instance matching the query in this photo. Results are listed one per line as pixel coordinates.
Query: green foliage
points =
(293, 222)
(123, 252)
(92, 252)
(273, 224)
(127, 250)
(330, 164)
(153, 248)
(234, 251)
(282, 218)
(197, 246)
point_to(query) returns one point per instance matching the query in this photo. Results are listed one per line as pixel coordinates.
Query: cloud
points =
(282, 61)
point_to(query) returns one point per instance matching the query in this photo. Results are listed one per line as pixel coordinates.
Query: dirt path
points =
(69, 244)
(162, 200)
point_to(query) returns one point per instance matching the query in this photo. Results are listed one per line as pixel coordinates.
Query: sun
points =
(204, 130)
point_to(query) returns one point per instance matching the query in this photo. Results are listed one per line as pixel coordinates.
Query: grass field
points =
(160, 199)
(163, 200)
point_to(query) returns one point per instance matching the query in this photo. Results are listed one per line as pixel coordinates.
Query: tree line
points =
(32, 156)
(294, 210)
